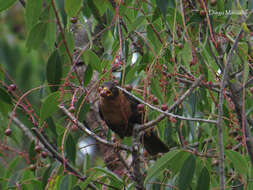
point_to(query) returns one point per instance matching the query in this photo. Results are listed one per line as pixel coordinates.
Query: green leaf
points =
(32, 13)
(46, 176)
(65, 183)
(187, 172)
(110, 174)
(84, 109)
(161, 164)
(87, 75)
(32, 153)
(89, 57)
(50, 38)
(49, 106)
(238, 161)
(163, 6)
(10, 171)
(5, 4)
(5, 97)
(107, 41)
(72, 7)
(156, 89)
(70, 147)
(187, 53)
(36, 36)
(77, 187)
(250, 6)
(136, 23)
(54, 70)
(95, 11)
(88, 180)
(203, 180)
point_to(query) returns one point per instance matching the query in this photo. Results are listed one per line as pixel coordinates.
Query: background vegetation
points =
(189, 61)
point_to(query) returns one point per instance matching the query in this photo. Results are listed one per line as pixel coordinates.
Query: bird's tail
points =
(153, 144)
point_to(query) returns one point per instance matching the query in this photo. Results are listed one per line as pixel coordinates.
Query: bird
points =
(119, 111)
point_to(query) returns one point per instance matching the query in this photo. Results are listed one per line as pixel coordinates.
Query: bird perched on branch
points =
(120, 113)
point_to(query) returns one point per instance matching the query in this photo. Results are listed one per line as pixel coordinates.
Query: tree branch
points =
(90, 133)
(167, 113)
(59, 157)
(220, 113)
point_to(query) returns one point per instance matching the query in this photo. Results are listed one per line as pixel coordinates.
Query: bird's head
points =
(109, 90)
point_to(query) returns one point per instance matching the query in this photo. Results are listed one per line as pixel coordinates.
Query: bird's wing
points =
(136, 116)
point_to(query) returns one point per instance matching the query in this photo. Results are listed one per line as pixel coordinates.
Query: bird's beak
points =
(105, 92)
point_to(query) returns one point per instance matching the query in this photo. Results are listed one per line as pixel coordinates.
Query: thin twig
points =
(90, 133)
(220, 113)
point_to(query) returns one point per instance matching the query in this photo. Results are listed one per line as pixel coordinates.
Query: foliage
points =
(56, 53)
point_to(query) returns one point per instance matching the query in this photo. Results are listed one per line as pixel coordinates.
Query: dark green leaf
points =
(70, 147)
(87, 75)
(36, 36)
(52, 127)
(32, 13)
(65, 183)
(77, 187)
(163, 6)
(49, 106)
(32, 153)
(46, 176)
(95, 11)
(5, 4)
(54, 70)
(161, 164)
(203, 180)
(5, 97)
(72, 7)
(187, 172)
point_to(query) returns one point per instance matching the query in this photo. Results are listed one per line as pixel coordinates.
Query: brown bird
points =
(120, 113)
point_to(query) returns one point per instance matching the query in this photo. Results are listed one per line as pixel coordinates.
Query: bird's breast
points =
(116, 113)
